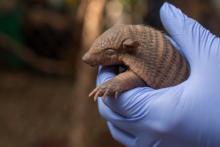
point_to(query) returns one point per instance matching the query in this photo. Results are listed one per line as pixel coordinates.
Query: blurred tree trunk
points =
(83, 114)
(202, 11)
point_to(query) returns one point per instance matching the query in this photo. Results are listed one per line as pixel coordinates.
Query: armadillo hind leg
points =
(122, 82)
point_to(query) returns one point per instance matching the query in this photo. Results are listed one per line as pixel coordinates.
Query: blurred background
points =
(44, 85)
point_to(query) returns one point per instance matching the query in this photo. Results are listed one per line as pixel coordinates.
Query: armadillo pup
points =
(150, 58)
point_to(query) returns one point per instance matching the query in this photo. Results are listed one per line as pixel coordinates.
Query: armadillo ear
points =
(130, 43)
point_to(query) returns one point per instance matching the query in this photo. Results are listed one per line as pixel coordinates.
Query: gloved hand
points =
(184, 115)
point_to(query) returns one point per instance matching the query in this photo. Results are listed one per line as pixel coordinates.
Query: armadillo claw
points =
(105, 90)
(116, 94)
(105, 94)
(93, 92)
(96, 95)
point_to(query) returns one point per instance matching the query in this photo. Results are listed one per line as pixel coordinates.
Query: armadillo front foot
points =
(104, 90)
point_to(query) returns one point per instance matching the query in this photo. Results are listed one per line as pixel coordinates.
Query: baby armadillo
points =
(149, 56)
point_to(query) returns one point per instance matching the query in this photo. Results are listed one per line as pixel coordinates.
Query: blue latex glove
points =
(184, 115)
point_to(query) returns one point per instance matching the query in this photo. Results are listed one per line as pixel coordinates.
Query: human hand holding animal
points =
(183, 115)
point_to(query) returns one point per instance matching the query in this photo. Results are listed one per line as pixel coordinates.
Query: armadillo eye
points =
(110, 52)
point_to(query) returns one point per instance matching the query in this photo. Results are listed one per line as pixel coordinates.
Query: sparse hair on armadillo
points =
(149, 55)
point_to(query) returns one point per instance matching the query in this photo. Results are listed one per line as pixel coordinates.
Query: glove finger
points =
(191, 36)
(118, 120)
(122, 129)
(130, 103)
(105, 73)
(121, 136)
(148, 139)
(173, 19)
(138, 103)
(108, 114)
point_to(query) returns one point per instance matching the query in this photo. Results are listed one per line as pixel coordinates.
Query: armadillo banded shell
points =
(162, 64)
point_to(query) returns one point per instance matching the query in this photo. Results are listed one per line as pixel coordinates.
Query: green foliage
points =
(128, 3)
(11, 26)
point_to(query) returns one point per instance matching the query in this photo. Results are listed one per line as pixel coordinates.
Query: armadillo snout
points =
(85, 58)
(88, 60)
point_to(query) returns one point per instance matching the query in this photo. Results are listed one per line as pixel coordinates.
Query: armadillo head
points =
(109, 48)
